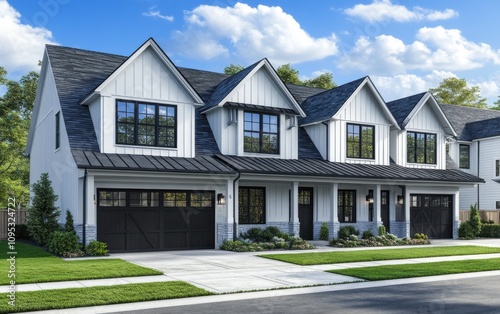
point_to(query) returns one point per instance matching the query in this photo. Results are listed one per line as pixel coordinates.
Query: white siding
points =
(362, 108)
(322, 202)
(318, 134)
(489, 192)
(146, 79)
(59, 164)
(95, 109)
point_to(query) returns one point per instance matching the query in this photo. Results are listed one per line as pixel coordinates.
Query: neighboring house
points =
(151, 156)
(476, 150)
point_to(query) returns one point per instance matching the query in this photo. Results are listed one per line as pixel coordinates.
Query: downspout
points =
(327, 153)
(478, 163)
(235, 235)
(84, 209)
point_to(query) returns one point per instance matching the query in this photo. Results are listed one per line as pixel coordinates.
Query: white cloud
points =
(435, 49)
(153, 12)
(385, 10)
(254, 33)
(21, 45)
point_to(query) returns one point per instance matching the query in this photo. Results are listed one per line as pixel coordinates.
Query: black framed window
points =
(146, 124)
(421, 148)
(112, 198)
(360, 141)
(261, 133)
(58, 130)
(464, 159)
(347, 206)
(252, 205)
(497, 168)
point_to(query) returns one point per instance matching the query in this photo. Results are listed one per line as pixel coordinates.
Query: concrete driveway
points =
(220, 271)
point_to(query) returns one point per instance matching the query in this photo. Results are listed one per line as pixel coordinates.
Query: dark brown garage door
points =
(431, 215)
(132, 220)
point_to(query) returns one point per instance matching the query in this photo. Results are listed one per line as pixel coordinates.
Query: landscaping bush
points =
(475, 221)
(324, 232)
(420, 236)
(382, 231)
(69, 225)
(367, 234)
(490, 231)
(63, 243)
(465, 231)
(43, 214)
(262, 235)
(346, 231)
(97, 248)
(385, 240)
(22, 232)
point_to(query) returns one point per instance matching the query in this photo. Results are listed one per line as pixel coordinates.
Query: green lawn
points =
(378, 255)
(420, 270)
(33, 265)
(79, 297)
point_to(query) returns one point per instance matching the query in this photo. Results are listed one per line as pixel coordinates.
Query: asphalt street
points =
(471, 295)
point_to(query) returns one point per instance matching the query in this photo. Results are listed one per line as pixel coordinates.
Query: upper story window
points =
(146, 124)
(261, 133)
(58, 130)
(497, 168)
(421, 148)
(360, 141)
(464, 159)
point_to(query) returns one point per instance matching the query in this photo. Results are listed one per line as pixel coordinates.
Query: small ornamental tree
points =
(475, 220)
(69, 225)
(43, 214)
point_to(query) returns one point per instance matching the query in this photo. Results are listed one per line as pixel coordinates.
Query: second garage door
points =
(132, 220)
(431, 215)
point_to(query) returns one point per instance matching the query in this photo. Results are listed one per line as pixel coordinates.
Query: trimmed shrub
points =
(64, 244)
(420, 236)
(22, 232)
(346, 231)
(465, 231)
(324, 232)
(475, 221)
(490, 231)
(367, 234)
(97, 248)
(262, 235)
(382, 231)
(43, 214)
(69, 225)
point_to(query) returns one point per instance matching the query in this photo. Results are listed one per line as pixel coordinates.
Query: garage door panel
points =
(139, 221)
(432, 215)
(140, 241)
(200, 239)
(175, 240)
(176, 219)
(112, 221)
(117, 242)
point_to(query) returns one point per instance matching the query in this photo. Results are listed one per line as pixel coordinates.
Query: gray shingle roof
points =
(307, 149)
(323, 106)
(323, 168)
(203, 82)
(200, 164)
(472, 123)
(401, 108)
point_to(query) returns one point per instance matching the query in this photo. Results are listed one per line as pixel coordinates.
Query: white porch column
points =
(91, 201)
(377, 217)
(231, 211)
(334, 206)
(456, 213)
(407, 203)
(294, 224)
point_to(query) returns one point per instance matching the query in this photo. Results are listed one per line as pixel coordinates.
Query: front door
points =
(384, 209)
(306, 213)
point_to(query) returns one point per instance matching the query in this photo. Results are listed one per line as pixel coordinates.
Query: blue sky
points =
(406, 47)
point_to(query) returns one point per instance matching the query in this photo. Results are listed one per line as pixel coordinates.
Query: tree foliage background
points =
(16, 107)
(454, 91)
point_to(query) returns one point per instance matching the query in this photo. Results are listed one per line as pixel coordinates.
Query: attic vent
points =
(292, 121)
(232, 116)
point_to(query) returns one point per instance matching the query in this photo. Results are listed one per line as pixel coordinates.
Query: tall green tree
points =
(233, 69)
(16, 107)
(496, 104)
(454, 91)
(324, 80)
(43, 214)
(288, 74)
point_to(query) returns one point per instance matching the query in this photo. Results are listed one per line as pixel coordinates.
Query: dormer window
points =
(360, 141)
(146, 124)
(421, 148)
(261, 133)
(464, 159)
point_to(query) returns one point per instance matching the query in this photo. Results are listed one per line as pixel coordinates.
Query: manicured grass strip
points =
(78, 297)
(34, 265)
(420, 270)
(378, 255)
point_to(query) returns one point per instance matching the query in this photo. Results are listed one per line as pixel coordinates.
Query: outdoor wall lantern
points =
(400, 199)
(221, 199)
(369, 198)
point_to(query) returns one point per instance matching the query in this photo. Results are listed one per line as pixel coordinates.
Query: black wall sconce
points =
(221, 199)
(369, 197)
(400, 199)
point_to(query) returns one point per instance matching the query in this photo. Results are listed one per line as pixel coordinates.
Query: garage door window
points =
(201, 199)
(112, 199)
(174, 199)
(144, 199)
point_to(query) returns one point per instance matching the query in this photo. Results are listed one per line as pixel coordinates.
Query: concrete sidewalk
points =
(221, 271)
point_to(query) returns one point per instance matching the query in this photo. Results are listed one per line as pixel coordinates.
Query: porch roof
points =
(203, 164)
(323, 168)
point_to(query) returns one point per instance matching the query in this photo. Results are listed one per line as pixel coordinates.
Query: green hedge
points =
(490, 231)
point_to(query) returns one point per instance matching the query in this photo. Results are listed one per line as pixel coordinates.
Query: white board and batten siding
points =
(363, 108)
(319, 134)
(424, 121)
(146, 79)
(489, 193)
(259, 89)
(44, 157)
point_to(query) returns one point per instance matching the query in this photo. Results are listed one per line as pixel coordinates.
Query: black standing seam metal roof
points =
(323, 106)
(201, 164)
(472, 123)
(401, 108)
(324, 168)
